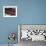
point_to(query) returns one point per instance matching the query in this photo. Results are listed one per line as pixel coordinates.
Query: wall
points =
(29, 12)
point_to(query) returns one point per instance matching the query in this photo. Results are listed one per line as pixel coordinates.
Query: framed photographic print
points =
(9, 11)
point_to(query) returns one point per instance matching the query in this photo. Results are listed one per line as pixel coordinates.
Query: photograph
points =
(9, 11)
